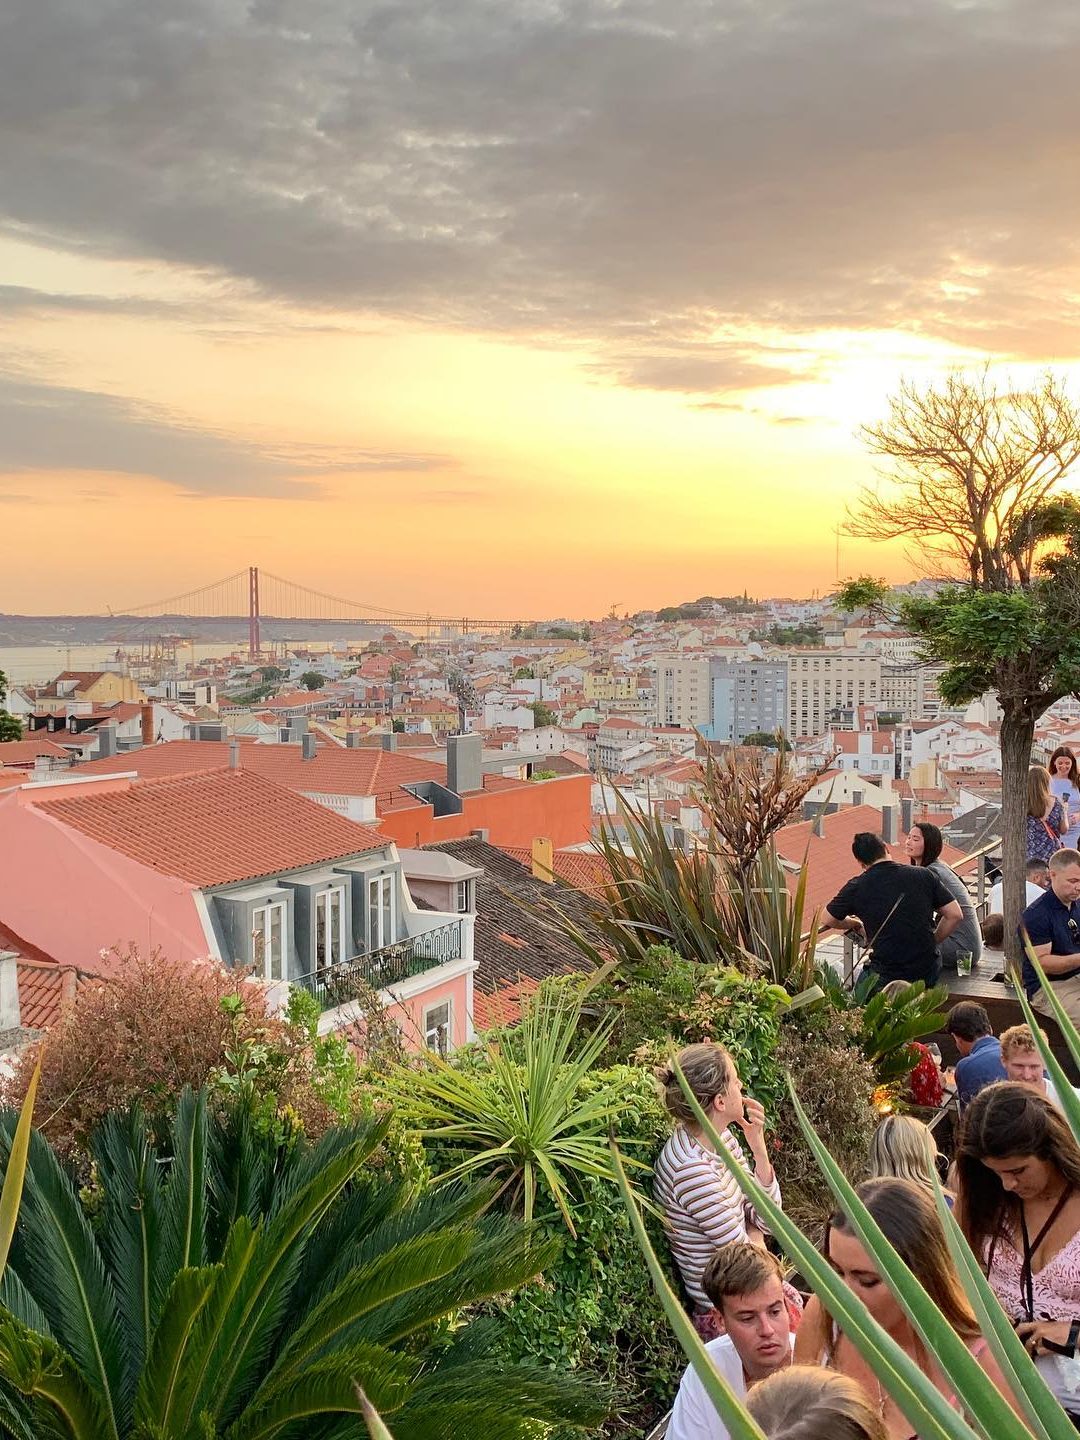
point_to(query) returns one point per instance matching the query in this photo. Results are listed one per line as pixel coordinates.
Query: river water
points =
(33, 664)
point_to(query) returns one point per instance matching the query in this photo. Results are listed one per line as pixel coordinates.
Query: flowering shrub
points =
(156, 1025)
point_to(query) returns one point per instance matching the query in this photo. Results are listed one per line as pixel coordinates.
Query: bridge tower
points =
(254, 642)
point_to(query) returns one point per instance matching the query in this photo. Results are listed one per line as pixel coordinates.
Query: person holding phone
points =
(1065, 786)
(703, 1204)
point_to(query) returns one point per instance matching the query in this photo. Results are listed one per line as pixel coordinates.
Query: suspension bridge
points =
(256, 598)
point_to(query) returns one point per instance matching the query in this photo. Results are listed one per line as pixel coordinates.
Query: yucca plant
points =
(226, 1290)
(522, 1117)
(927, 1410)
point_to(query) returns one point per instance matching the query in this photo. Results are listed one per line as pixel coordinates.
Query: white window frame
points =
(439, 1033)
(330, 901)
(463, 897)
(380, 920)
(262, 920)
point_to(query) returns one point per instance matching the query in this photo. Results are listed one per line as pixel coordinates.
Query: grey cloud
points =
(53, 427)
(574, 169)
(693, 372)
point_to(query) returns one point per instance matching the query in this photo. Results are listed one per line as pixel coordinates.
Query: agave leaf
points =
(930, 1415)
(732, 1412)
(1070, 1101)
(994, 1416)
(15, 1171)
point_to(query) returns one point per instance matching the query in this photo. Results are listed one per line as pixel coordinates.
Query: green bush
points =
(673, 1000)
(822, 1052)
(594, 1311)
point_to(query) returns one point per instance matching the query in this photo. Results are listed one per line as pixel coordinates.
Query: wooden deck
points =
(987, 985)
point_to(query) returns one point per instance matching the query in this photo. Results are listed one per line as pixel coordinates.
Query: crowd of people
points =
(1014, 1186)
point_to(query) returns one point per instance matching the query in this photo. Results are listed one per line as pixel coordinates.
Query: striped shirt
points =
(703, 1205)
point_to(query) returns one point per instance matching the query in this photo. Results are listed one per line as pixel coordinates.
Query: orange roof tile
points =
(216, 827)
(26, 750)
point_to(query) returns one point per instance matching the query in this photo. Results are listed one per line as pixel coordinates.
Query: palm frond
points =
(184, 1204)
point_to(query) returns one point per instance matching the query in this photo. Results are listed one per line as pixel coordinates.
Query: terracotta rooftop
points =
(334, 770)
(829, 860)
(579, 868)
(26, 750)
(215, 827)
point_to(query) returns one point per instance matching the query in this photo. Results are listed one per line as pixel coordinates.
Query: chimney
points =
(106, 740)
(308, 745)
(352, 740)
(464, 764)
(146, 715)
(907, 814)
(234, 754)
(543, 860)
(819, 823)
(857, 797)
(888, 824)
(483, 834)
(298, 726)
(9, 991)
(389, 742)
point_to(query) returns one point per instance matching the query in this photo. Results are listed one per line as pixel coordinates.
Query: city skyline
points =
(550, 307)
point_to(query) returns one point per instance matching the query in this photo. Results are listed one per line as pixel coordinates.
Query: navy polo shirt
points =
(1050, 920)
(980, 1067)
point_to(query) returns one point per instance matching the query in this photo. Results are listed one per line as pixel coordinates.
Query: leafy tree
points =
(526, 672)
(272, 673)
(767, 740)
(397, 727)
(231, 1289)
(397, 674)
(312, 680)
(543, 715)
(543, 775)
(10, 725)
(976, 471)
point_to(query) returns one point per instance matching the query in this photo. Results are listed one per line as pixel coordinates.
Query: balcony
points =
(337, 984)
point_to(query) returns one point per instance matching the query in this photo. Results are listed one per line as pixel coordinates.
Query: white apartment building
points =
(821, 681)
(683, 690)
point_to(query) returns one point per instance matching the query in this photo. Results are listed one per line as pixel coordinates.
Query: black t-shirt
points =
(903, 940)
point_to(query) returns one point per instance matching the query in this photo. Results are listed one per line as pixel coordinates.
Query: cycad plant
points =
(227, 1291)
(523, 1117)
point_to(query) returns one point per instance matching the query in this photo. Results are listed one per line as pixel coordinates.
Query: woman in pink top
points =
(703, 1205)
(1018, 1203)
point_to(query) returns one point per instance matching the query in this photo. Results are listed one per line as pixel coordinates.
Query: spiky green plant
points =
(523, 1116)
(227, 1290)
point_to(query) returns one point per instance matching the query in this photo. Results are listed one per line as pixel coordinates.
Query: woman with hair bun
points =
(923, 845)
(703, 1205)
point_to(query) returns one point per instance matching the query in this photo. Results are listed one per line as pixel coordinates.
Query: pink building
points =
(225, 863)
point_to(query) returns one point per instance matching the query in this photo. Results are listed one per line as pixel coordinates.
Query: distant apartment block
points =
(748, 697)
(822, 681)
(683, 690)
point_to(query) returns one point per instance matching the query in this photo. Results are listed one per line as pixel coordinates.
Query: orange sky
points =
(498, 331)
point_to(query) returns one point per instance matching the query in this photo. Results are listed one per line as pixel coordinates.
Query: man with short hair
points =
(1024, 1063)
(980, 1062)
(745, 1283)
(904, 910)
(1053, 926)
(1038, 878)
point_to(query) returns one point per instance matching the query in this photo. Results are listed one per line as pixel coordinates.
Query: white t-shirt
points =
(996, 897)
(693, 1416)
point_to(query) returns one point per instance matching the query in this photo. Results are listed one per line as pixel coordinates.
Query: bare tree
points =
(976, 478)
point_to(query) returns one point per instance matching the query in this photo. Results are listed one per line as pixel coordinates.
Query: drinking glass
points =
(963, 962)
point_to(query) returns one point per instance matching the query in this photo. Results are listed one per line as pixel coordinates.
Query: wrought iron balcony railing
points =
(337, 984)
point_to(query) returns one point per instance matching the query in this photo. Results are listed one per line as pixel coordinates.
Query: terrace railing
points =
(337, 984)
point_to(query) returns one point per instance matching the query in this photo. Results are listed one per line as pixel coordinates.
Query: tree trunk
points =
(1017, 736)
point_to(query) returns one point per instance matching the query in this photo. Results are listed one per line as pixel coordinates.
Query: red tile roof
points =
(26, 750)
(45, 989)
(213, 828)
(333, 770)
(579, 868)
(829, 860)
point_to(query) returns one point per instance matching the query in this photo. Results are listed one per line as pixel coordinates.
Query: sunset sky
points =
(516, 307)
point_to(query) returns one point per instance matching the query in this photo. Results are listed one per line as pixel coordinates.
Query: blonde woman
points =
(806, 1402)
(903, 1147)
(1045, 817)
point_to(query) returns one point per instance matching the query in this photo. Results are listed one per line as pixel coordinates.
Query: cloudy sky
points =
(514, 306)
